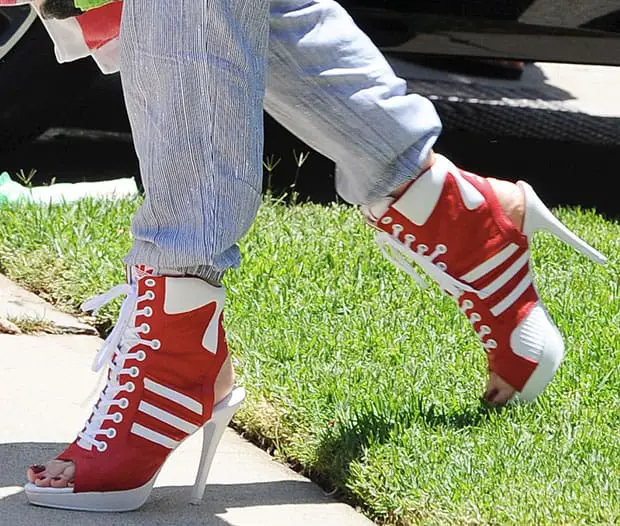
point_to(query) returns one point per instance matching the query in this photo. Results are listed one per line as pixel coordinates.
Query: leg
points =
(193, 82)
(330, 86)
(195, 104)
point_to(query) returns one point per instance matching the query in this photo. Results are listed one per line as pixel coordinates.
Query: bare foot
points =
(60, 474)
(498, 392)
(512, 201)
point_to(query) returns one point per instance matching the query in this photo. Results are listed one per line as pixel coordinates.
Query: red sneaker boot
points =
(450, 223)
(164, 355)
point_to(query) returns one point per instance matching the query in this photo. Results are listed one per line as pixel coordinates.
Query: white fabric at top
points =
(69, 41)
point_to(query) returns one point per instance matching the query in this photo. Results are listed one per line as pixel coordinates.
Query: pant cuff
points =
(209, 274)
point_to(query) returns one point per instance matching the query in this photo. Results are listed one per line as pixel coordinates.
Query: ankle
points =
(225, 381)
(511, 199)
(401, 189)
(509, 195)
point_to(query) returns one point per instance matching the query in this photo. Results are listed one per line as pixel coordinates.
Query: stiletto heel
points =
(539, 217)
(212, 434)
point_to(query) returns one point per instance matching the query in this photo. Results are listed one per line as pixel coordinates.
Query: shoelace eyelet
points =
(114, 352)
(150, 282)
(490, 344)
(467, 304)
(397, 229)
(484, 330)
(474, 318)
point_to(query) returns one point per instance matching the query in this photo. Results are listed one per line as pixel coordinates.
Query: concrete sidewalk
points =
(579, 88)
(44, 386)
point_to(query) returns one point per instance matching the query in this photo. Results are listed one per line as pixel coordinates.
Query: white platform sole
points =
(128, 500)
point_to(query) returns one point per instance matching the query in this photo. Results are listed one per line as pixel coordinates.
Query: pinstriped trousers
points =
(196, 76)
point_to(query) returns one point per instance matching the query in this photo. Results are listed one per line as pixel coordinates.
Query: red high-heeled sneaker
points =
(450, 223)
(164, 355)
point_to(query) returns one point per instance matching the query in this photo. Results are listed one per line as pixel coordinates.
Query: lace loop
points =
(466, 305)
(440, 249)
(484, 331)
(409, 239)
(489, 345)
(114, 352)
(402, 254)
(475, 318)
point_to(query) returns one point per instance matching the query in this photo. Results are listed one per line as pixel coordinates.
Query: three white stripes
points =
(491, 264)
(165, 416)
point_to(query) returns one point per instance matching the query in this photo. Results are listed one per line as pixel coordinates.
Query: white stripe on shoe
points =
(490, 264)
(174, 396)
(418, 205)
(513, 296)
(153, 436)
(506, 276)
(166, 417)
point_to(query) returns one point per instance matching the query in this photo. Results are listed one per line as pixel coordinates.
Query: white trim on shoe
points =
(127, 500)
(174, 396)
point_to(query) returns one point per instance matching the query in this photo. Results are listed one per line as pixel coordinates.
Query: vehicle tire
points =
(34, 89)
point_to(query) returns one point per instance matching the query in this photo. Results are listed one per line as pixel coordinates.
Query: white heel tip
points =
(539, 217)
(195, 502)
(600, 259)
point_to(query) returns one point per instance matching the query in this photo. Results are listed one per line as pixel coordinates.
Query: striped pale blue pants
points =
(196, 76)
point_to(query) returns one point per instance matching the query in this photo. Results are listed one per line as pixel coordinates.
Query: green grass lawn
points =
(371, 385)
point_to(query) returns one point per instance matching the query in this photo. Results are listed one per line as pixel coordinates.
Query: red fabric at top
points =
(101, 25)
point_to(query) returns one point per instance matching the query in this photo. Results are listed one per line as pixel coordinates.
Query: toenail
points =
(490, 395)
(37, 468)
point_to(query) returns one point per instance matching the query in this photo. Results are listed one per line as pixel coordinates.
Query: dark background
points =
(92, 141)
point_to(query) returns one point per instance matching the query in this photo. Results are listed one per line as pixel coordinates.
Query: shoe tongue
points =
(137, 272)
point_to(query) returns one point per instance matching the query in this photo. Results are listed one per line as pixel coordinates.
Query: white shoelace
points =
(113, 354)
(400, 255)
